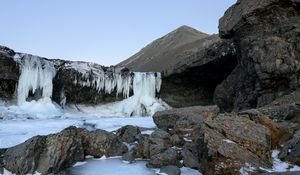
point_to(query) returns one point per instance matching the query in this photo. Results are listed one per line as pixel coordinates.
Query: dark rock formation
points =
(9, 73)
(266, 36)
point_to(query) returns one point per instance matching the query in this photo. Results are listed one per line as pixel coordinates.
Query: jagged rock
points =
(282, 173)
(142, 148)
(168, 157)
(195, 154)
(247, 133)
(129, 133)
(99, 142)
(170, 170)
(184, 117)
(266, 36)
(291, 150)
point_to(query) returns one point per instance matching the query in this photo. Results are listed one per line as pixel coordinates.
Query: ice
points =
(143, 102)
(107, 167)
(36, 74)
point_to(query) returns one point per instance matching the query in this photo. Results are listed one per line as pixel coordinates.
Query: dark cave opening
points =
(196, 85)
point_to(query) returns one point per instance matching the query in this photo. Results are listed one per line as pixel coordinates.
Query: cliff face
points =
(266, 34)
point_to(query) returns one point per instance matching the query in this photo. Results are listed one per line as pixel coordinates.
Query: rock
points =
(160, 134)
(129, 156)
(99, 142)
(184, 117)
(168, 157)
(24, 158)
(56, 152)
(176, 140)
(245, 132)
(170, 170)
(278, 134)
(266, 36)
(128, 133)
(62, 151)
(291, 150)
(9, 74)
(142, 148)
(195, 154)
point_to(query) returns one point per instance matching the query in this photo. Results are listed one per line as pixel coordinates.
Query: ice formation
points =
(138, 89)
(93, 75)
(36, 74)
(143, 101)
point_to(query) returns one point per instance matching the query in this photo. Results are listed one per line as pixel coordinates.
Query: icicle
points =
(36, 73)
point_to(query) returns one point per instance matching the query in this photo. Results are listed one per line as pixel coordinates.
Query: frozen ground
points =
(19, 123)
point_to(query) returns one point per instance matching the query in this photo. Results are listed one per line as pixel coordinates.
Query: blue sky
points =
(102, 31)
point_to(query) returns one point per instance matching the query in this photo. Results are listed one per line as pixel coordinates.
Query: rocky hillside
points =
(163, 53)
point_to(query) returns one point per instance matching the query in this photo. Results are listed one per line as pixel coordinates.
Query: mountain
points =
(163, 53)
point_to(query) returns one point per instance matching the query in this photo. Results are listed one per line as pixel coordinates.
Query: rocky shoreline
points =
(197, 137)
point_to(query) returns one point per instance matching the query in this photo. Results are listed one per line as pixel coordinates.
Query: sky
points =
(102, 31)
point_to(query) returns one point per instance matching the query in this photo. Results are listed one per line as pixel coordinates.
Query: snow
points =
(280, 166)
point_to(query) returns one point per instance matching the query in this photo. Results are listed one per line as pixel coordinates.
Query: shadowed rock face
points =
(9, 73)
(266, 34)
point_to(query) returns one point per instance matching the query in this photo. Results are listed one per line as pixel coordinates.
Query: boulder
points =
(56, 152)
(266, 36)
(61, 151)
(99, 142)
(129, 156)
(168, 157)
(24, 158)
(129, 133)
(184, 117)
(160, 134)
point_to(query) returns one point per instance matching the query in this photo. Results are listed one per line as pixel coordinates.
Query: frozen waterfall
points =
(138, 89)
(36, 74)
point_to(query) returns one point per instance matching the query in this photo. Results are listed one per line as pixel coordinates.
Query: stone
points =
(61, 151)
(99, 142)
(291, 150)
(168, 157)
(245, 132)
(177, 140)
(170, 170)
(128, 133)
(160, 134)
(129, 156)
(23, 158)
(184, 117)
